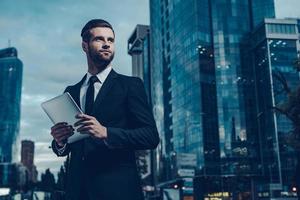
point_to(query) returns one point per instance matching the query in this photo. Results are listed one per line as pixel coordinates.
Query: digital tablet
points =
(63, 108)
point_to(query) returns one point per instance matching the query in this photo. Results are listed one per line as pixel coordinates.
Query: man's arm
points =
(144, 134)
(63, 148)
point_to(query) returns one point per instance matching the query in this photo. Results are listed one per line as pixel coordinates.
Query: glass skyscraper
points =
(196, 94)
(11, 69)
(231, 20)
(212, 98)
(183, 81)
(273, 48)
(157, 79)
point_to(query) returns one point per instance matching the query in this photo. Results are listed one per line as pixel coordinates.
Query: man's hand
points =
(90, 125)
(60, 132)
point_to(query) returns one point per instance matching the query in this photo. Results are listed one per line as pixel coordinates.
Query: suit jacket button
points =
(82, 158)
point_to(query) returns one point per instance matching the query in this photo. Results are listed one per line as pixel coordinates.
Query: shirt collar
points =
(101, 76)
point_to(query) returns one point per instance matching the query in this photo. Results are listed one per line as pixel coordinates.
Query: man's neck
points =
(96, 68)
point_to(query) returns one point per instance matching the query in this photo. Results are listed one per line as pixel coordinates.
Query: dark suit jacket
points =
(108, 171)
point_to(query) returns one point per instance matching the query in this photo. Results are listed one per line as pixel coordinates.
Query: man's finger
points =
(63, 137)
(84, 122)
(59, 132)
(81, 121)
(64, 132)
(85, 128)
(59, 125)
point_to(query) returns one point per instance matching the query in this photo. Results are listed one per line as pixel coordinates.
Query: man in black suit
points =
(117, 118)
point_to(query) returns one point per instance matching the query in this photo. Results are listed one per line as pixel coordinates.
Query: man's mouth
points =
(105, 51)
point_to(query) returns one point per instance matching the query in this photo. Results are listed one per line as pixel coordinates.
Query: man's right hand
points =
(60, 132)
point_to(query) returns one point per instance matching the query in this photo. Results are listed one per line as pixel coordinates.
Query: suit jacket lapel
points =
(105, 88)
(75, 91)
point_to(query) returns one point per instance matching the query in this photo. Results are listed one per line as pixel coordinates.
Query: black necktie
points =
(89, 100)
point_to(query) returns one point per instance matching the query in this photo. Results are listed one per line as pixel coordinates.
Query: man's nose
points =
(105, 45)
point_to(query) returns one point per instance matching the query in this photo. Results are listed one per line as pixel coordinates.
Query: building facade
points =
(195, 90)
(230, 22)
(135, 49)
(272, 52)
(27, 159)
(178, 38)
(210, 98)
(139, 50)
(12, 175)
(11, 69)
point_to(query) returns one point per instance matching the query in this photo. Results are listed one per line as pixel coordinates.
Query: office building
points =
(27, 159)
(11, 69)
(12, 175)
(195, 94)
(197, 89)
(269, 57)
(139, 50)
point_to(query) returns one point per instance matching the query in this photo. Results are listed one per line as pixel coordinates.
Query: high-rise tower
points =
(11, 69)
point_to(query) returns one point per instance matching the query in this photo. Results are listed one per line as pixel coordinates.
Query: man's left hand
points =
(89, 125)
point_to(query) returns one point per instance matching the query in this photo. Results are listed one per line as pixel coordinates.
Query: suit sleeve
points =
(63, 151)
(143, 134)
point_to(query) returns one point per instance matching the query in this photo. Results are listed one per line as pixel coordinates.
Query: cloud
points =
(46, 159)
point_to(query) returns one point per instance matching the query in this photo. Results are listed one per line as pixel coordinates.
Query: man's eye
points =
(98, 39)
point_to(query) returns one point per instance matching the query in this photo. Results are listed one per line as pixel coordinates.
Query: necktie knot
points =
(93, 80)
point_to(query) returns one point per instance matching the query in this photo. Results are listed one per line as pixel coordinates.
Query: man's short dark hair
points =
(85, 32)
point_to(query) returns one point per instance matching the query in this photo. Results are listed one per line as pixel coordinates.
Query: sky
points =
(47, 37)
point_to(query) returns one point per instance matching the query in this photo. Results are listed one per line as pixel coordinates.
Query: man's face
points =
(101, 46)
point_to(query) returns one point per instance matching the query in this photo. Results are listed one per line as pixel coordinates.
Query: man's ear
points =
(84, 46)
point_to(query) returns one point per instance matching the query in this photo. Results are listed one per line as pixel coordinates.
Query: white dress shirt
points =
(97, 86)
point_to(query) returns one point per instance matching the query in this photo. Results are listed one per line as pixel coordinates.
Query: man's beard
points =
(98, 59)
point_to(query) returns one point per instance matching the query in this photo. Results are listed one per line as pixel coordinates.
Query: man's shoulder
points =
(129, 79)
(130, 84)
(75, 86)
(72, 87)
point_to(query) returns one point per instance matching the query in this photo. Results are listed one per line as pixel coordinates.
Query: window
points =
(281, 28)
